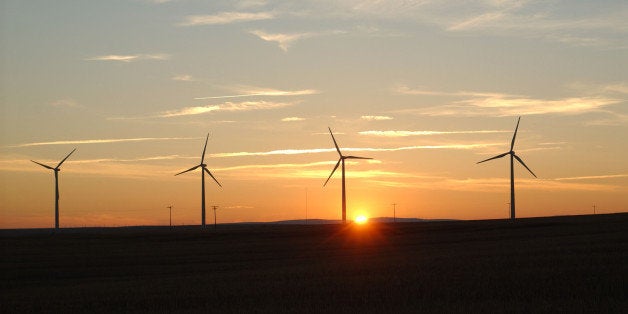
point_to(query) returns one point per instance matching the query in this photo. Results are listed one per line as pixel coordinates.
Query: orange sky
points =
(425, 88)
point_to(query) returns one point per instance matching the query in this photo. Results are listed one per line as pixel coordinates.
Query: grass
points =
(566, 264)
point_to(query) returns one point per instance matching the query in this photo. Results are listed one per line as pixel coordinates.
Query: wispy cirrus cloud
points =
(393, 133)
(376, 118)
(597, 177)
(480, 103)
(292, 119)
(283, 40)
(225, 18)
(130, 58)
(66, 103)
(227, 106)
(183, 78)
(460, 146)
(249, 91)
(104, 141)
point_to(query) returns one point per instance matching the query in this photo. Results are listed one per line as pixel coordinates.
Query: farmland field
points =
(565, 264)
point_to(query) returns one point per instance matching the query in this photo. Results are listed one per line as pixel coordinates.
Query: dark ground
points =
(559, 264)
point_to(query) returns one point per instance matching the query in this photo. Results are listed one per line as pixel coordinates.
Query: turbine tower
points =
(56, 170)
(513, 156)
(341, 160)
(203, 170)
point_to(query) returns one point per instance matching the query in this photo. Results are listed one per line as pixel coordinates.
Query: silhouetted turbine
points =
(342, 160)
(56, 170)
(203, 170)
(513, 156)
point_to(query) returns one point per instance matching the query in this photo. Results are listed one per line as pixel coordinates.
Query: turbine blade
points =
(182, 172)
(205, 147)
(521, 161)
(498, 156)
(332, 172)
(512, 144)
(335, 144)
(211, 175)
(356, 157)
(45, 166)
(66, 157)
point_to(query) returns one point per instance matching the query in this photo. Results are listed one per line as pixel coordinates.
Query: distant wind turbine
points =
(513, 156)
(341, 160)
(203, 170)
(56, 170)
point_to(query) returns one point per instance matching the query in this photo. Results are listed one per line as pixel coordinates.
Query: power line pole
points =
(593, 209)
(394, 212)
(306, 206)
(215, 207)
(170, 214)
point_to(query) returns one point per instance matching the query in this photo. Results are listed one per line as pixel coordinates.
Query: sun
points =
(361, 219)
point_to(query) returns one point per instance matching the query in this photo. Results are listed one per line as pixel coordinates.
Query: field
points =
(565, 264)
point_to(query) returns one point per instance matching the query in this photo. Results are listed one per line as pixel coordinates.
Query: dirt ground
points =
(558, 264)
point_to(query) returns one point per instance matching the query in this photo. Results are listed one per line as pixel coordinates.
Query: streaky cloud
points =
(376, 118)
(254, 91)
(283, 40)
(130, 58)
(183, 78)
(104, 141)
(227, 106)
(326, 150)
(598, 177)
(225, 18)
(392, 133)
(292, 119)
(478, 103)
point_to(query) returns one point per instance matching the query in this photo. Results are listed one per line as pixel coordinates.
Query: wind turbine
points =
(56, 170)
(513, 156)
(341, 160)
(203, 170)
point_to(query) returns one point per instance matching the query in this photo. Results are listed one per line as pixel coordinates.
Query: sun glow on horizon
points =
(361, 219)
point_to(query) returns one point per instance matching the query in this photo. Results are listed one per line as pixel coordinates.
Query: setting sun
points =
(361, 219)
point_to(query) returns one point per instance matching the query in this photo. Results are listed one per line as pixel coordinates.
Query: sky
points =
(425, 88)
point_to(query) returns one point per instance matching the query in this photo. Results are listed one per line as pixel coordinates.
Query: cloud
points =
(480, 103)
(67, 103)
(620, 88)
(283, 40)
(114, 160)
(258, 91)
(376, 118)
(292, 119)
(104, 141)
(225, 18)
(227, 106)
(392, 133)
(325, 150)
(598, 177)
(130, 58)
(183, 78)
(405, 90)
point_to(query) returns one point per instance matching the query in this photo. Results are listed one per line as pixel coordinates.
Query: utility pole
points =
(170, 214)
(508, 207)
(593, 209)
(394, 212)
(306, 206)
(215, 207)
